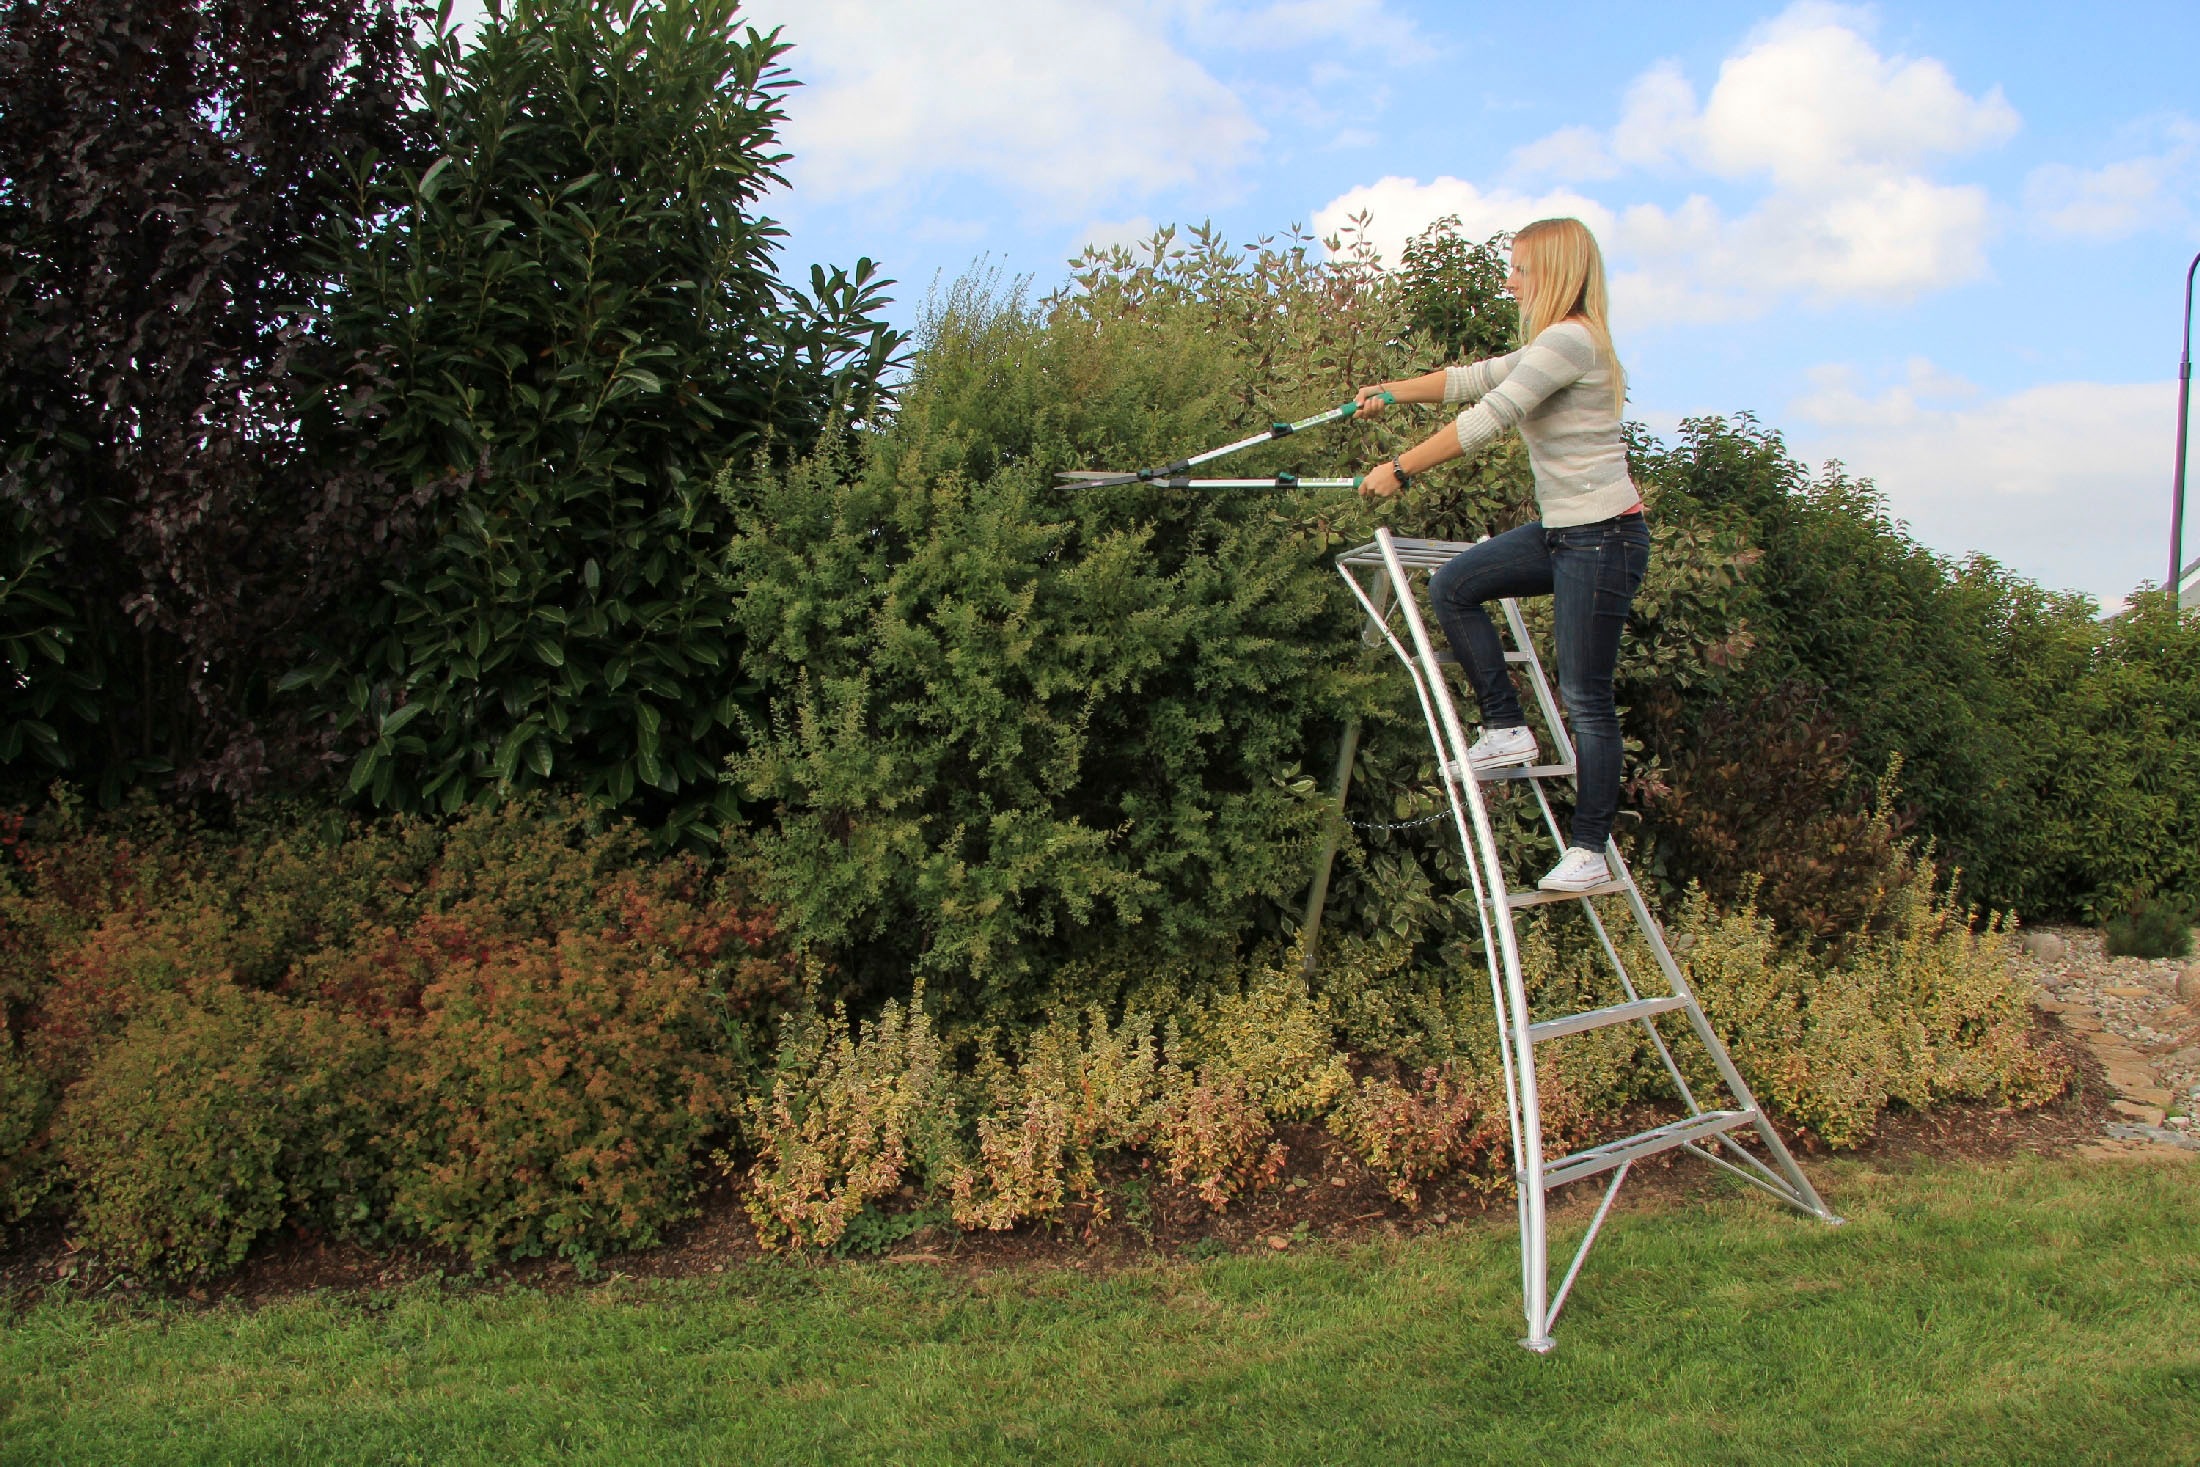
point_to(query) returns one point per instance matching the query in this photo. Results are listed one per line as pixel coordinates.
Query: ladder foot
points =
(1543, 1346)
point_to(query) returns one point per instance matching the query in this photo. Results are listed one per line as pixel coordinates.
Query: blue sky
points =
(1942, 243)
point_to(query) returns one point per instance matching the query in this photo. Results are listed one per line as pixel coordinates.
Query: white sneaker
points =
(1499, 747)
(1579, 871)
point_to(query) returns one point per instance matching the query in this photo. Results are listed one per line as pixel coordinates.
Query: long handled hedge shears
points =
(1178, 474)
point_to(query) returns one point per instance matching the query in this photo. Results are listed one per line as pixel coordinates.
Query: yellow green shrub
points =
(1076, 1093)
(26, 1158)
(851, 1111)
(1212, 1134)
(1443, 1123)
(1277, 1041)
(1920, 1009)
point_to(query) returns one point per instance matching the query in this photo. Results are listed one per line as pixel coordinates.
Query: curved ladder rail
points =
(1390, 565)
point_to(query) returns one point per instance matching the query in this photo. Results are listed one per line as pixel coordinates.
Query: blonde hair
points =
(1565, 271)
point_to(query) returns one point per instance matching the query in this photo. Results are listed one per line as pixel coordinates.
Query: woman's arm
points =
(1426, 388)
(1511, 387)
(1439, 447)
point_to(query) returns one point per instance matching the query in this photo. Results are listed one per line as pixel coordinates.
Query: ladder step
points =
(1581, 1023)
(1446, 658)
(1518, 899)
(1647, 1143)
(1517, 771)
(1526, 771)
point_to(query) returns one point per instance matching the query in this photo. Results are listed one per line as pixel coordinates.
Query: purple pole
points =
(2177, 490)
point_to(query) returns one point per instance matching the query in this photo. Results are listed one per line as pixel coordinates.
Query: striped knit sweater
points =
(1557, 390)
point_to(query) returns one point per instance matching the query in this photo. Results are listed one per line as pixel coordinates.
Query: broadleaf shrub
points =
(1439, 1125)
(179, 512)
(1925, 1009)
(1077, 1094)
(563, 326)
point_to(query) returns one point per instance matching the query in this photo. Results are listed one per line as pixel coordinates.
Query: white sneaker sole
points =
(1494, 761)
(1551, 883)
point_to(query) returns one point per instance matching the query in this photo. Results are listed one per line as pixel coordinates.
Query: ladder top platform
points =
(1413, 554)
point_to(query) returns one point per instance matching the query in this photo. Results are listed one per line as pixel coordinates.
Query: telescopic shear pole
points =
(1178, 474)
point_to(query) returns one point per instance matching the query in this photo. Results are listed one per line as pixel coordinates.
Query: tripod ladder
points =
(1381, 577)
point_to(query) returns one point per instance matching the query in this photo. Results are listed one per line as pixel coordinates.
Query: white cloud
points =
(1402, 207)
(1027, 94)
(1571, 152)
(2066, 483)
(1812, 104)
(1836, 133)
(1104, 233)
(2153, 189)
(1284, 24)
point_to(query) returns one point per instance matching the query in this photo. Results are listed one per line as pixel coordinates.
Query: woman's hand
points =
(1380, 482)
(1372, 400)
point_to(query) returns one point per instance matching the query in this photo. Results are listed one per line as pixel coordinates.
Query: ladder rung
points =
(1526, 771)
(1517, 771)
(1518, 657)
(1518, 899)
(1581, 1023)
(1647, 1143)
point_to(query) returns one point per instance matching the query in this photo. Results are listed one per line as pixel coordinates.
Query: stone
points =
(2045, 946)
(2145, 1115)
(2188, 985)
(2046, 1004)
(1278, 1242)
(2129, 1078)
(2135, 1150)
(2153, 1095)
(2126, 990)
(2083, 1020)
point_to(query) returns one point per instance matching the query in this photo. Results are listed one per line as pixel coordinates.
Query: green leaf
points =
(401, 717)
(432, 180)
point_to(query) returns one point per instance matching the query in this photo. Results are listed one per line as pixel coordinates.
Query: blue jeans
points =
(1591, 572)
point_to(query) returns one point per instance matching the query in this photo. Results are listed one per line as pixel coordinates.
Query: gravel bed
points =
(2141, 1016)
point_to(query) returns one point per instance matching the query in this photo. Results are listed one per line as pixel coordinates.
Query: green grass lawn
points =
(2027, 1312)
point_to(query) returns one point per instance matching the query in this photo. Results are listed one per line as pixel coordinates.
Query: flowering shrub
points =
(557, 1095)
(544, 1023)
(26, 1103)
(215, 1118)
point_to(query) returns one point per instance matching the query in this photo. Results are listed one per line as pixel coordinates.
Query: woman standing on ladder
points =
(1564, 391)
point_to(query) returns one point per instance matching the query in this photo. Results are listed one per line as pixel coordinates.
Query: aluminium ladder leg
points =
(1388, 596)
